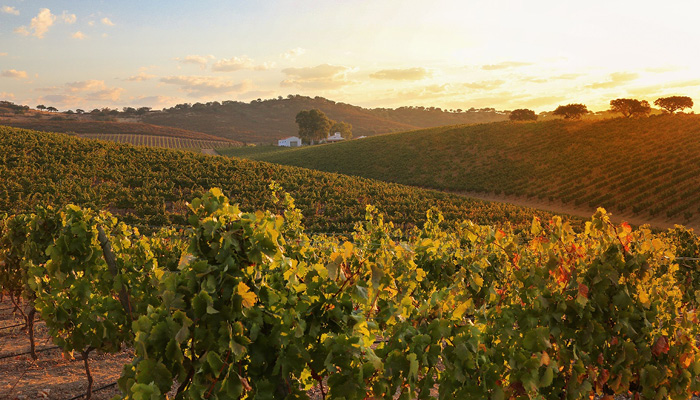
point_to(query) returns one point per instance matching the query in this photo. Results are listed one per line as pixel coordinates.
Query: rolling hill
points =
(265, 121)
(151, 186)
(646, 169)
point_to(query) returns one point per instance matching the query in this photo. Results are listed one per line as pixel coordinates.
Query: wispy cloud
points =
(505, 65)
(107, 21)
(78, 35)
(3, 54)
(108, 94)
(239, 63)
(68, 18)
(292, 53)
(7, 95)
(202, 61)
(142, 76)
(483, 85)
(82, 86)
(202, 86)
(13, 73)
(324, 76)
(39, 25)
(9, 10)
(406, 74)
(614, 80)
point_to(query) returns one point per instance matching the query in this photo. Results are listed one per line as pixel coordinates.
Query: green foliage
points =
(630, 107)
(344, 128)
(672, 104)
(522, 114)
(571, 111)
(313, 125)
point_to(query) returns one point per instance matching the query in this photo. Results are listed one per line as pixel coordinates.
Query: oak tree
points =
(522, 114)
(313, 125)
(571, 111)
(674, 103)
(630, 107)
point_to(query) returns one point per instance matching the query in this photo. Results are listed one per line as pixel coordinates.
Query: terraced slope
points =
(648, 168)
(167, 142)
(150, 186)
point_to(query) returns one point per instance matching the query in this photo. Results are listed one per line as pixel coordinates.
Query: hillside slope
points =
(266, 121)
(649, 168)
(151, 186)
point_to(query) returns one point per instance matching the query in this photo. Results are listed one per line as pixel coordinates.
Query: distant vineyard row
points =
(647, 166)
(166, 142)
(151, 186)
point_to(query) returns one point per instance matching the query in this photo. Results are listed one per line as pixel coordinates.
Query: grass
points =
(250, 151)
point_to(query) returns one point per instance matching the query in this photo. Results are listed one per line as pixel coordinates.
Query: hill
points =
(150, 186)
(646, 168)
(265, 121)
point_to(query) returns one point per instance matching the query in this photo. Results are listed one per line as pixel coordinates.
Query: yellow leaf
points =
(348, 250)
(249, 298)
(462, 309)
(478, 280)
(420, 274)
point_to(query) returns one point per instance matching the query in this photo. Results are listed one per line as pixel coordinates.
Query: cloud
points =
(68, 18)
(39, 25)
(236, 63)
(615, 79)
(78, 35)
(3, 54)
(505, 65)
(202, 86)
(156, 101)
(324, 76)
(60, 100)
(407, 74)
(83, 86)
(6, 95)
(10, 10)
(107, 21)
(108, 94)
(293, 53)
(660, 70)
(567, 76)
(202, 61)
(142, 76)
(13, 73)
(483, 85)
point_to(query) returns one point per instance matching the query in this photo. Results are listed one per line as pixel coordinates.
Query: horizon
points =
(387, 54)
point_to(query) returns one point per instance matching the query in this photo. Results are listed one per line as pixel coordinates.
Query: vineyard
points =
(150, 186)
(251, 305)
(166, 142)
(648, 167)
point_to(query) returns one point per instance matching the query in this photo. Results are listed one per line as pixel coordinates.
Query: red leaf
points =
(583, 290)
(661, 346)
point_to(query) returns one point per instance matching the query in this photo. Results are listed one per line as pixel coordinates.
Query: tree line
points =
(627, 107)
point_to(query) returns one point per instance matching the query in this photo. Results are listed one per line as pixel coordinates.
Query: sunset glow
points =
(450, 54)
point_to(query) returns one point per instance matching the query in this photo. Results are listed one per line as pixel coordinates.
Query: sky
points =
(453, 54)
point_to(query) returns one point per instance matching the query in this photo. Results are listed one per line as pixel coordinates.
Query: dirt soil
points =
(51, 376)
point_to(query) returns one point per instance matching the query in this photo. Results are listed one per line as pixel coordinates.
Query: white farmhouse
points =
(333, 138)
(291, 141)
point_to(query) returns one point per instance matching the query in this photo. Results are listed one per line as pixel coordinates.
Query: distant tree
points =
(522, 114)
(41, 107)
(630, 107)
(143, 110)
(79, 111)
(51, 109)
(128, 110)
(70, 112)
(571, 111)
(673, 103)
(313, 125)
(344, 128)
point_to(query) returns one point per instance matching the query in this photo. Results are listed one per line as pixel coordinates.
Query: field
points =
(250, 151)
(151, 186)
(645, 168)
(166, 142)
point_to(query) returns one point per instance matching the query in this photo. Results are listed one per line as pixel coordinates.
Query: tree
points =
(673, 103)
(344, 128)
(522, 114)
(51, 109)
(41, 107)
(571, 111)
(80, 111)
(313, 125)
(630, 107)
